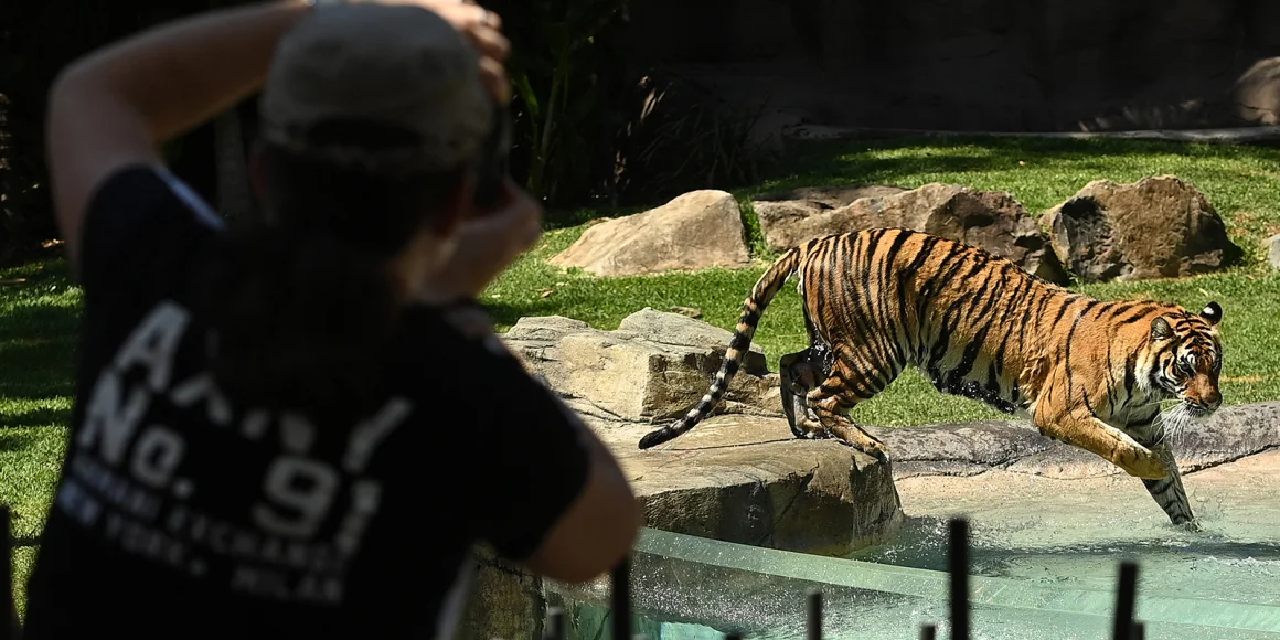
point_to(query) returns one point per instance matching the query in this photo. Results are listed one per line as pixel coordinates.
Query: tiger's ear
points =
(1212, 312)
(1160, 329)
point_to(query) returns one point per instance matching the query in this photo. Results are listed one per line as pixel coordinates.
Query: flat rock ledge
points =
(744, 479)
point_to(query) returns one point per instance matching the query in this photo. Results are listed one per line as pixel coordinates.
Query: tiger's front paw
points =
(856, 438)
(1142, 463)
(876, 450)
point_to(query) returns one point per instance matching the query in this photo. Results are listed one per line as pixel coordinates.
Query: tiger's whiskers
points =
(1174, 420)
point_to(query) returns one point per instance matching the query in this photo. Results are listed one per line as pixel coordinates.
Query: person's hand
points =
(484, 29)
(487, 244)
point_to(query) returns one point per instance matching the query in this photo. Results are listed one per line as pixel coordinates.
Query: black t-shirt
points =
(182, 513)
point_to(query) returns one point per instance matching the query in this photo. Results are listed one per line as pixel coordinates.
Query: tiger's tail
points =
(766, 288)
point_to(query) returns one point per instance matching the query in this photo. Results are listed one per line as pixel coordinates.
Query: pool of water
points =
(1073, 533)
(693, 588)
(1209, 565)
(1045, 557)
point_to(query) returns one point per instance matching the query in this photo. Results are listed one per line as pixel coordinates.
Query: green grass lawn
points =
(39, 314)
(38, 329)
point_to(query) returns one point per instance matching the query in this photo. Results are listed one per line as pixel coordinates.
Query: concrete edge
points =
(971, 448)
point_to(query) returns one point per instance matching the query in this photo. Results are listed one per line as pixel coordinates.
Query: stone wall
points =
(1002, 65)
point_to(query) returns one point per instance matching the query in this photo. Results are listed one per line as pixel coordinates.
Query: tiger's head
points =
(1187, 358)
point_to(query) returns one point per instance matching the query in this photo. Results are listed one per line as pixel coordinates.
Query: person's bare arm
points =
(557, 501)
(115, 106)
(598, 530)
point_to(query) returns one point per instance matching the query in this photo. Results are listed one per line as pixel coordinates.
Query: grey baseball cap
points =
(398, 65)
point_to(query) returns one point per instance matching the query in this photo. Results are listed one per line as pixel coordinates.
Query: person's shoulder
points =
(136, 190)
(142, 228)
(452, 327)
(144, 214)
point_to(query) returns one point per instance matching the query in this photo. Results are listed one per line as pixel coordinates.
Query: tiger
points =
(1086, 372)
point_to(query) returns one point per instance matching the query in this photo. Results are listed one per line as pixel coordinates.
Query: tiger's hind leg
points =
(837, 395)
(800, 373)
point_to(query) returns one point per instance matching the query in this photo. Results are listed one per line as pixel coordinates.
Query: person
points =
(284, 429)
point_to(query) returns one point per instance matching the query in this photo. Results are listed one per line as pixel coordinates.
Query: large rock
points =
(825, 197)
(697, 230)
(790, 215)
(992, 220)
(506, 602)
(1158, 227)
(1272, 247)
(656, 365)
(739, 476)
(1257, 93)
(745, 479)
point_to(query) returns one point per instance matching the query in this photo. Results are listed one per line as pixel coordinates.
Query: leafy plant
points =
(562, 78)
(592, 124)
(700, 142)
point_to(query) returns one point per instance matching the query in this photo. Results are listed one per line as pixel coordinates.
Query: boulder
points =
(505, 601)
(697, 230)
(992, 220)
(826, 197)
(655, 366)
(1272, 247)
(746, 479)
(738, 476)
(1158, 227)
(1257, 93)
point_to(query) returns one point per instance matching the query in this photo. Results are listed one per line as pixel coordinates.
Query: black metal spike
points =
(1123, 629)
(734, 635)
(958, 566)
(620, 599)
(9, 626)
(815, 614)
(1139, 631)
(554, 629)
(928, 631)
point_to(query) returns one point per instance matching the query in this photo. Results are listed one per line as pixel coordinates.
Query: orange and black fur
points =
(1086, 372)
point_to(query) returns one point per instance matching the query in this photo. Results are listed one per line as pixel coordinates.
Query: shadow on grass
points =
(36, 417)
(39, 332)
(25, 541)
(38, 347)
(507, 314)
(11, 440)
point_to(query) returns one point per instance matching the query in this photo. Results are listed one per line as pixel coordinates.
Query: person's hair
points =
(301, 307)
